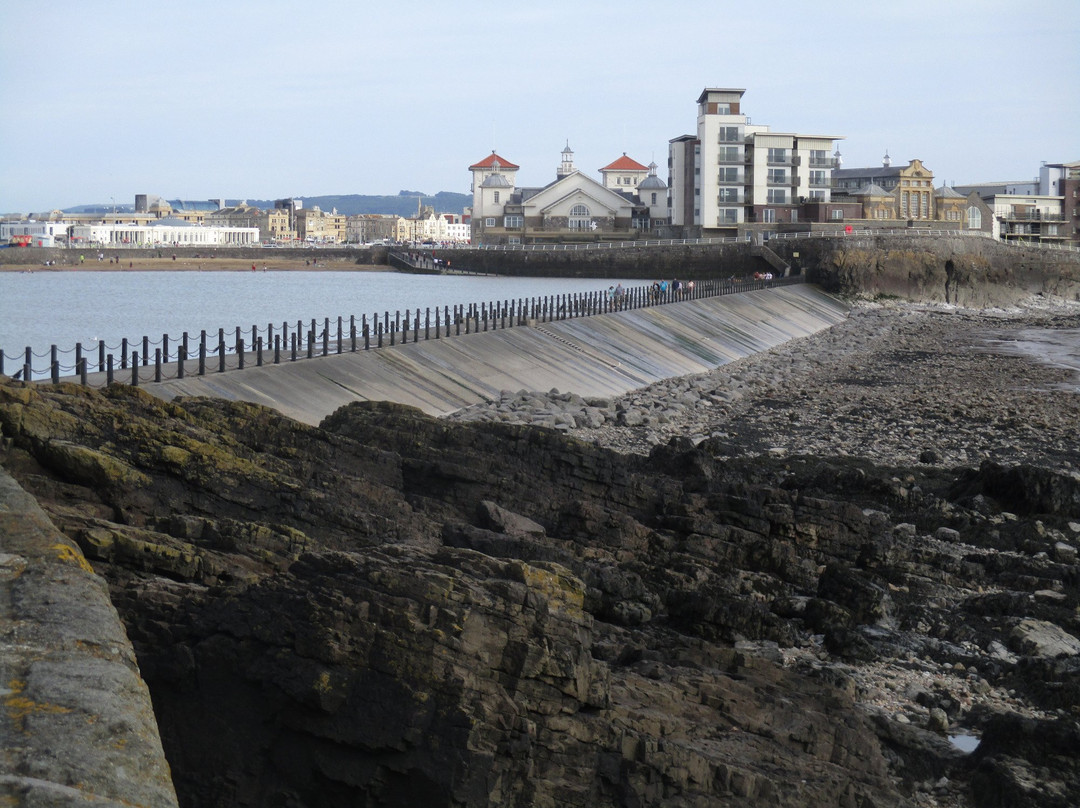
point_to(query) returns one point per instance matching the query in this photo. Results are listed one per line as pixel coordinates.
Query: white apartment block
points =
(732, 173)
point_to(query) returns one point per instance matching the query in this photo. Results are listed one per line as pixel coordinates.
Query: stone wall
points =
(963, 270)
(686, 262)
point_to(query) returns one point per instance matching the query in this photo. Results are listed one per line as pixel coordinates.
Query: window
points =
(776, 196)
(768, 215)
(723, 109)
(514, 221)
(819, 157)
(817, 178)
(728, 216)
(580, 218)
(653, 199)
(837, 213)
(728, 195)
(777, 176)
(778, 155)
(730, 174)
(489, 222)
(729, 134)
(728, 154)
(903, 205)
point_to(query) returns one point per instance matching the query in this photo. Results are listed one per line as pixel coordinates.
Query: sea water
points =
(41, 309)
(1057, 347)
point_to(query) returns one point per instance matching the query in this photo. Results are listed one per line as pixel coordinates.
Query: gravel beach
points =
(896, 383)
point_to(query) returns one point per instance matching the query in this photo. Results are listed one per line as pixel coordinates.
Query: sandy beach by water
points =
(274, 261)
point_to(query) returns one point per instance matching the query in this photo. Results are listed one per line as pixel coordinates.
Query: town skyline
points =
(200, 100)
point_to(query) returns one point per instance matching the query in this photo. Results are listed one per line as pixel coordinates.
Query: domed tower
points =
(566, 167)
(652, 192)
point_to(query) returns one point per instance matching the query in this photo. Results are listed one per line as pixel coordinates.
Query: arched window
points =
(580, 218)
(974, 218)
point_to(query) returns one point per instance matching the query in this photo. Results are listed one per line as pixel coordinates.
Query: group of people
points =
(676, 290)
(763, 276)
(659, 291)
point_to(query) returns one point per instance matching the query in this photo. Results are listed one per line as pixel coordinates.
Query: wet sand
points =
(276, 261)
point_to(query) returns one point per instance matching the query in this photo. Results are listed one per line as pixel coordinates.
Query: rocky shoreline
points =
(786, 582)
(896, 383)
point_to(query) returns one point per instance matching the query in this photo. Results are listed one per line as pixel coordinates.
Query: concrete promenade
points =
(603, 355)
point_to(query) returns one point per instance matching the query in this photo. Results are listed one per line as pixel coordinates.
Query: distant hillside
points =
(404, 204)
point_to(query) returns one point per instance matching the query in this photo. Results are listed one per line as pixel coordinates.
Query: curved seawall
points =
(603, 355)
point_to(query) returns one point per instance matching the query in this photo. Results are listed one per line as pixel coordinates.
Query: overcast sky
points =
(102, 100)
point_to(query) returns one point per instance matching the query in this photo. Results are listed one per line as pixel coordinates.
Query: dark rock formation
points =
(397, 610)
(76, 724)
(960, 270)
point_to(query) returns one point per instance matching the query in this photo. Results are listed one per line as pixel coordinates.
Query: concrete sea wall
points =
(603, 355)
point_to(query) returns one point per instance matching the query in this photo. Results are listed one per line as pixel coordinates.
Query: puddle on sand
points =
(965, 743)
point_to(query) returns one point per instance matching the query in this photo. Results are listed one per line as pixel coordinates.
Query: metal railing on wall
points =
(915, 232)
(167, 358)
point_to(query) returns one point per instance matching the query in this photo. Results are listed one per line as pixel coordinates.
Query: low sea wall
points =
(604, 355)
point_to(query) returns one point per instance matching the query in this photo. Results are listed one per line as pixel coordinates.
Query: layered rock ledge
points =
(790, 590)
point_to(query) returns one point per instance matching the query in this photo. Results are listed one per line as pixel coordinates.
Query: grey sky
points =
(102, 100)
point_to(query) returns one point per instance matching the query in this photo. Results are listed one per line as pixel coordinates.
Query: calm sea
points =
(41, 309)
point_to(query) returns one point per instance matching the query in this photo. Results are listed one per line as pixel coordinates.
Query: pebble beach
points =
(896, 383)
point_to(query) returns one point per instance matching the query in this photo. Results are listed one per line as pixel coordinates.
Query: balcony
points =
(1033, 216)
(820, 162)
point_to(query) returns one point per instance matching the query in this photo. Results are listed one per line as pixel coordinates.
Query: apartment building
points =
(1044, 210)
(733, 177)
(316, 226)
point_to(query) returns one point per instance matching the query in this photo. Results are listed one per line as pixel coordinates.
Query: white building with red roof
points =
(624, 174)
(573, 207)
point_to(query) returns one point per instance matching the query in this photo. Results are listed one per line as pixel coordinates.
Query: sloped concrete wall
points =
(604, 355)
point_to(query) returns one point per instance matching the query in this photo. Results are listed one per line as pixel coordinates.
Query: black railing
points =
(165, 359)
